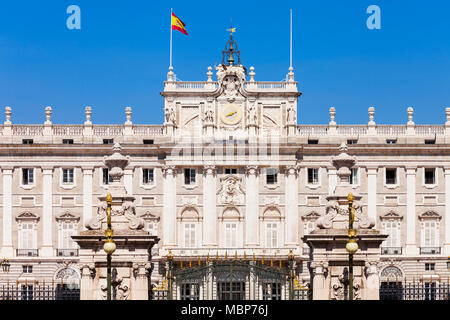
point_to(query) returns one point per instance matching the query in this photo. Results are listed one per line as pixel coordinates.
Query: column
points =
(209, 206)
(251, 207)
(169, 217)
(372, 287)
(372, 194)
(128, 180)
(447, 212)
(47, 212)
(87, 194)
(140, 290)
(411, 246)
(291, 205)
(87, 282)
(319, 285)
(7, 245)
(332, 180)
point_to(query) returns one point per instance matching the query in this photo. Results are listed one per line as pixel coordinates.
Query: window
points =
(392, 228)
(189, 176)
(391, 176)
(430, 141)
(313, 176)
(67, 176)
(27, 236)
(189, 235)
(66, 231)
(190, 291)
(67, 141)
(272, 235)
(391, 141)
(430, 176)
(352, 141)
(27, 292)
(27, 269)
(150, 227)
(230, 234)
(354, 177)
(106, 176)
(429, 266)
(146, 141)
(27, 141)
(230, 171)
(108, 141)
(271, 176)
(27, 176)
(313, 141)
(309, 227)
(147, 176)
(429, 234)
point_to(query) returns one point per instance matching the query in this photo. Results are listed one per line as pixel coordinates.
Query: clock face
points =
(231, 114)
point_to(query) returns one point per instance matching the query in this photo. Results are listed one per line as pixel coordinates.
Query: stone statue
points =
(170, 115)
(209, 115)
(290, 114)
(251, 115)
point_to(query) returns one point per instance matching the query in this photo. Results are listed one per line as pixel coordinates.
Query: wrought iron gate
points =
(231, 280)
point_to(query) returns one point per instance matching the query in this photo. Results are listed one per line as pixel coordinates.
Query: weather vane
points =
(231, 28)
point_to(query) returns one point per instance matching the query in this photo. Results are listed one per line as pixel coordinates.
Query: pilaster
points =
(169, 217)
(87, 194)
(251, 200)
(47, 208)
(447, 212)
(411, 245)
(372, 193)
(209, 206)
(291, 205)
(7, 245)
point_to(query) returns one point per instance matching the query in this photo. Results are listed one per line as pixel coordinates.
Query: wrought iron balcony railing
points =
(27, 252)
(430, 250)
(391, 250)
(67, 252)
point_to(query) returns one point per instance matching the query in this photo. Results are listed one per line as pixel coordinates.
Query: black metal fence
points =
(414, 291)
(39, 292)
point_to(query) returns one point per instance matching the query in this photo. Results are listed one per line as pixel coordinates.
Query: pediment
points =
(271, 211)
(432, 215)
(149, 216)
(67, 215)
(311, 216)
(391, 215)
(27, 215)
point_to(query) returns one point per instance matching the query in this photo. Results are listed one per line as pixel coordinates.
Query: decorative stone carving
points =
(290, 117)
(169, 170)
(252, 117)
(391, 272)
(209, 169)
(170, 115)
(251, 170)
(340, 284)
(371, 268)
(230, 191)
(209, 115)
(95, 222)
(129, 211)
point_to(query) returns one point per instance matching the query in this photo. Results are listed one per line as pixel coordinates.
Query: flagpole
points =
(170, 38)
(290, 43)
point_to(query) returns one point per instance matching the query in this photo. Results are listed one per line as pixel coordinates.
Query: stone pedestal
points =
(329, 264)
(131, 261)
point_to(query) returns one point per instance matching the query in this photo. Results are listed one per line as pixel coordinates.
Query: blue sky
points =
(120, 57)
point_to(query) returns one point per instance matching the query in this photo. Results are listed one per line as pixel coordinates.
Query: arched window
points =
(190, 233)
(27, 237)
(272, 227)
(231, 228)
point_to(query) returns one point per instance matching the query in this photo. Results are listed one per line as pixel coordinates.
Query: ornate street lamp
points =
(5, 265)
(109, 245)
(351, 245)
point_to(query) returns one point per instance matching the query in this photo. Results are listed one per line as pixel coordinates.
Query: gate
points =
(231, 280)
(414, 291)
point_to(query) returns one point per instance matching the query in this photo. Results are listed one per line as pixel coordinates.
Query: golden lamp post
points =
(109, 245)
(351, 245)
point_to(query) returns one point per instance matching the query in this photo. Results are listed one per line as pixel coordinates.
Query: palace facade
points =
(231, 173)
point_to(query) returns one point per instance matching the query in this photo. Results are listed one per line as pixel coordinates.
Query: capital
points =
(292, 169)
(251, 170)
(169, 170)
(209, 169)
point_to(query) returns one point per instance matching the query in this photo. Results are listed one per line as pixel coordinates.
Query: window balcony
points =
(306, 251)
(430, 250)
(391, 250)
(27, 252)
(67, 252)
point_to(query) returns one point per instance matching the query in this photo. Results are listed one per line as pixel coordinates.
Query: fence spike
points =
(280, 263)
(190, 262)
(235, 255)
(245, 256)
(262, 260)
(396, 280)
(181, 264)
(253, 258)
(199, 262)
(217, 255)
(271, 262)
(207, 259)
(226, 255)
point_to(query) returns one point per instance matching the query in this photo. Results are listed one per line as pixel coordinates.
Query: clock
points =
(231, 114)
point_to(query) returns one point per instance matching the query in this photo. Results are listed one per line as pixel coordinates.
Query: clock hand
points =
(231, 113)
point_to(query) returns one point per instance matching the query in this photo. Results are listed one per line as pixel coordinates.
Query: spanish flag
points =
(177, 24)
